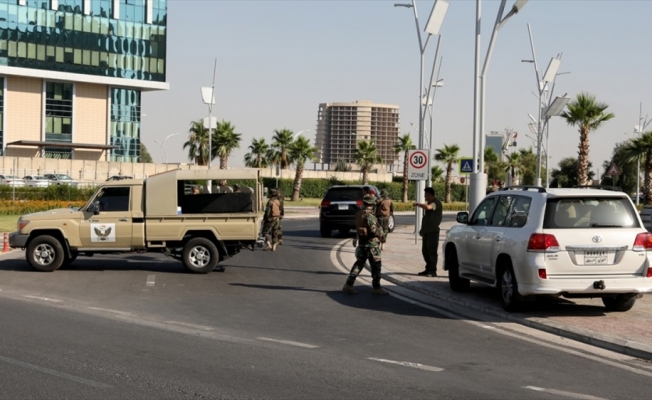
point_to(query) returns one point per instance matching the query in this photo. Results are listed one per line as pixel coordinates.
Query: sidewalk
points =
(585, 320)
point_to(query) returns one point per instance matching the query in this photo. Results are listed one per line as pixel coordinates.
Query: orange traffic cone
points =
(5, 246)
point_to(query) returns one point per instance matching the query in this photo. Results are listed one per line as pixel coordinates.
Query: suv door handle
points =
(478, 236)
(123, 220)
(498, 239)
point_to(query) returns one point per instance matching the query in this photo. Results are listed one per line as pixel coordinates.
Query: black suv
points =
(339, 207)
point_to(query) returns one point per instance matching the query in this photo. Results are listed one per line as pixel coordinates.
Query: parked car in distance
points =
(61, 179)
(11, 180)
(119, 178)
(340, 206)
(530, 241)
(36, 181)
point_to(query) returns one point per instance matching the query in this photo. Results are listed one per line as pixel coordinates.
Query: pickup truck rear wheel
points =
(45, 253)
(200, 255)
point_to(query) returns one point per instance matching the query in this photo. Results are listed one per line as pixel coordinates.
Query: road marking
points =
(110, 311)
(408, 364)
(565, 394)
(151, 280)
(200, 327)
(55, 373)
(290, 343)
(44, 299)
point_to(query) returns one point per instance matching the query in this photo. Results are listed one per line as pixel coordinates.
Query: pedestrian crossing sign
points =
(466, 166)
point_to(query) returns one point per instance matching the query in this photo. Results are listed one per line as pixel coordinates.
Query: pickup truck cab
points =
(152, 215)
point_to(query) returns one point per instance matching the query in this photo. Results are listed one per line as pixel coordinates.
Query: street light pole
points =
(208, 96)
(165, 153)
(479, 178)
(433, 26)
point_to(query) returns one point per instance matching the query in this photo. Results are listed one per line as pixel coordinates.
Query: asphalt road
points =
(273, 325)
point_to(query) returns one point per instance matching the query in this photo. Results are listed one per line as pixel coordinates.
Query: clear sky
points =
(277, 60)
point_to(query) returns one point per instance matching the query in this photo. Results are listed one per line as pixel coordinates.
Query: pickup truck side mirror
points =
(463, 217)
(95, 207)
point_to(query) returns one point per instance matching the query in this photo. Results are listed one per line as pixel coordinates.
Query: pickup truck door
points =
(111, 227)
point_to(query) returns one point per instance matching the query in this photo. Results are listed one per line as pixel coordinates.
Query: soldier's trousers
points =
(362, 255)
(280, 229)
(383, 222)
(429, 248)
(270, 230)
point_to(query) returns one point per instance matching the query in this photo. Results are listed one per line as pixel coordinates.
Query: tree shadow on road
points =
(128, 263)
(284, 270)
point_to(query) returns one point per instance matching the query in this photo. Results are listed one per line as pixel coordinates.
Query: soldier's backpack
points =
(276, 208)
(361, 225)
(383, 209)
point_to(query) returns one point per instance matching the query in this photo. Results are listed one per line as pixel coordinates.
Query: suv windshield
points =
(344, 193)
(590, 212)
(64, 177)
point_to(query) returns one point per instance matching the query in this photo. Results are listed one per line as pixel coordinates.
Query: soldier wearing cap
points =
(273, 215)
(384, 208)
(369, 233)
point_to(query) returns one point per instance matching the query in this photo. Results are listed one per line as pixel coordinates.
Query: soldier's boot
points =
(274, 246)
(380, 292)
(349, 289)
(280, 242)
(268, 245)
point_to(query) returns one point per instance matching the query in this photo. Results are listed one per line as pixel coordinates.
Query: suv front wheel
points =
(457, 283)
(508, 288)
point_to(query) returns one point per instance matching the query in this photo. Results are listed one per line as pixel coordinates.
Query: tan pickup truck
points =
(155, 215)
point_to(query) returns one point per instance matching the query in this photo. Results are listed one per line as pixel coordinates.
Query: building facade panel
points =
(23, 113)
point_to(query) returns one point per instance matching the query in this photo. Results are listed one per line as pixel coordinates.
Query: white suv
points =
(530, 241)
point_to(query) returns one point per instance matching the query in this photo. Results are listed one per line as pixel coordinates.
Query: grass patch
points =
(8, 223)
(303, 203)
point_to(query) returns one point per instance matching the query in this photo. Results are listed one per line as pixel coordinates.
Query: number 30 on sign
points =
(419, 165)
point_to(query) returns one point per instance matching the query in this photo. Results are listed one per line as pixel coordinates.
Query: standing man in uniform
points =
(368, 248)
(384, 209)
(432, 216)
(272, 218)
(280, 221)
(223, 188)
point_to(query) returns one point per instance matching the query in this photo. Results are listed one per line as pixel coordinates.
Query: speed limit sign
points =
(418, 165)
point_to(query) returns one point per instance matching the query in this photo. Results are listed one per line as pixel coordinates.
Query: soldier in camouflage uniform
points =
(273, 214)
(384, 209)
(280, 221)
(369, 234)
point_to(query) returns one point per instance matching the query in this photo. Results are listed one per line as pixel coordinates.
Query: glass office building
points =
(78, 67)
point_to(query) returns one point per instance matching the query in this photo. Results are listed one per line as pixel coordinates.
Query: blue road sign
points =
(466, 166)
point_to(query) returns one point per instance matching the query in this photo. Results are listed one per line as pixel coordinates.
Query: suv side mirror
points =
(463, 217)
(95, 207)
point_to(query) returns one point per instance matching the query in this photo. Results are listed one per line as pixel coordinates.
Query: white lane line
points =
(43, 298)
(58, 374)
(564, 394)
(193, 326)
(290, 343)
(408, 364)
(126, 314)
(151, 280)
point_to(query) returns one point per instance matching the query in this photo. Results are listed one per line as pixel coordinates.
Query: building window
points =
(125, 125)
(2, 115)
(133, 11)
(72, 6)
(42, 4)
(58, 112)
(57, 152)
(102, 8)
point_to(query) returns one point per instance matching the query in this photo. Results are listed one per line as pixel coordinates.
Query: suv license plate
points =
(342, 206)
(595, 257)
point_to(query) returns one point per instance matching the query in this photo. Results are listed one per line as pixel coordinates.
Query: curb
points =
(623, 346)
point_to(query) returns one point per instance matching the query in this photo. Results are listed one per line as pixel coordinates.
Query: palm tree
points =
(225, 140)
(282, 141)
(448, 156)
(257, 156)
(640, 149)
(436, 173)
(366, 155)
(588, 115)
(404, 145)
(490, 158)
(300, 152)
(513, 165)
(197, 143)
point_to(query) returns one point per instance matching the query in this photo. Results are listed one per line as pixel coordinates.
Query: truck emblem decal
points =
(597, 239)
(102, 233)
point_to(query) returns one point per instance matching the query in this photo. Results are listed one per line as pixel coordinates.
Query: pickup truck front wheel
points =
(45, 253)
(200, 255)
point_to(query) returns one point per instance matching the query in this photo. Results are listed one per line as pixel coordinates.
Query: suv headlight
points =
(21, 224)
